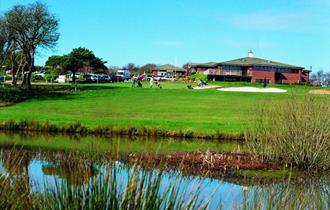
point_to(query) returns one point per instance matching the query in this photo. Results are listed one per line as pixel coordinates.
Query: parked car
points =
(123, 72)
(169, 78)
(116, 78)
(92, 78)
(159, 78)
(40, 74)
(107, 78)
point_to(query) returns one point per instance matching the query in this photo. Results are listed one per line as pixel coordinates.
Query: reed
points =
(293, 132)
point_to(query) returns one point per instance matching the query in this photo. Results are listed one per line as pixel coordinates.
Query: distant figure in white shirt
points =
(151, 82)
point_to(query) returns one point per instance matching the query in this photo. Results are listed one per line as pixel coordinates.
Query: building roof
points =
(247, 61)
(253, 61)
(168, 67)
(209, 64)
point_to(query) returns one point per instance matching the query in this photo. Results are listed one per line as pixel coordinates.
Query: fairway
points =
(172, 108)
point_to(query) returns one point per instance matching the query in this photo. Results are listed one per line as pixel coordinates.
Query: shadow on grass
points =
(46, 92)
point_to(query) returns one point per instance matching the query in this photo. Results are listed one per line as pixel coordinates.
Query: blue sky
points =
(167, 31)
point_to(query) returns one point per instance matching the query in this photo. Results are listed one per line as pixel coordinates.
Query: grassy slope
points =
(172, 108)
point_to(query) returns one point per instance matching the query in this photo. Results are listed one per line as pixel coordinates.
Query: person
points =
(158, 84)
(139, 84)
(202, 83)
(151, 82)
(134, 82)
(265, 82)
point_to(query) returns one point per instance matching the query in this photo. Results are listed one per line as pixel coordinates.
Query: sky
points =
(296, 32)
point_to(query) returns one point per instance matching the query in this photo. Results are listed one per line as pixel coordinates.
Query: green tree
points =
(32, 28)
(81, 59)
(147, 68)
(51, 75)
(54, 61)
(133, 68)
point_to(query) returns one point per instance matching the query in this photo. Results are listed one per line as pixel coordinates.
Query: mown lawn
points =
(174, 107)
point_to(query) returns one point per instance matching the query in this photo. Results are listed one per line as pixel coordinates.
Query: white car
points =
(170, 78)
(159, 78)
(40, 73)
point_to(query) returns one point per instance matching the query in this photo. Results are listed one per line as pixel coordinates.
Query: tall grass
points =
(295, 132)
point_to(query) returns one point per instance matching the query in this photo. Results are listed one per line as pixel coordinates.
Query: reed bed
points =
(293, 132)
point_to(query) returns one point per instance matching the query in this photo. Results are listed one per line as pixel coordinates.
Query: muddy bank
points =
(208, 161)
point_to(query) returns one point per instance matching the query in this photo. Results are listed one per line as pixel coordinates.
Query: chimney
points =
(250, 54)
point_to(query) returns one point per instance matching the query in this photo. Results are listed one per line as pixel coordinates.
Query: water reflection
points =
(73, 173)
(80, 169)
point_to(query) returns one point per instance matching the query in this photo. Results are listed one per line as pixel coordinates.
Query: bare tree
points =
(320, 78)
(327, 79)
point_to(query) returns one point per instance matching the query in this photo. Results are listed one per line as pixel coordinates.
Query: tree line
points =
(320, 78)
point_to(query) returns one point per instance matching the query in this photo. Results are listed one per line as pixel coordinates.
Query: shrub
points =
(51, 76)
(295, 132)
(10, 94)
(199, 77)
(35, 78)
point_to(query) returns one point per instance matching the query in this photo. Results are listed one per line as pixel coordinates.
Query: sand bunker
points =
(321, 92)
(206, 87)
(253, 90)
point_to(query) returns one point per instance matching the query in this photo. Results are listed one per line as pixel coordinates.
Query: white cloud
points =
(274, 20)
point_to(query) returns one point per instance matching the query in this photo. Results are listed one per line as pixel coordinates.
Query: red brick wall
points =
(305, 76)
(261, 75)
(200, 70)
(290, 78)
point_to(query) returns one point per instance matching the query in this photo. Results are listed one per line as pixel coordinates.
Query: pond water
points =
(45, 167)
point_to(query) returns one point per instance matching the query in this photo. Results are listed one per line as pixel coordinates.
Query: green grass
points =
(115, 145)
(172, 108)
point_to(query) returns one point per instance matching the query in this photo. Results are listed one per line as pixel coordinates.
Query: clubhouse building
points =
(252, 69)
